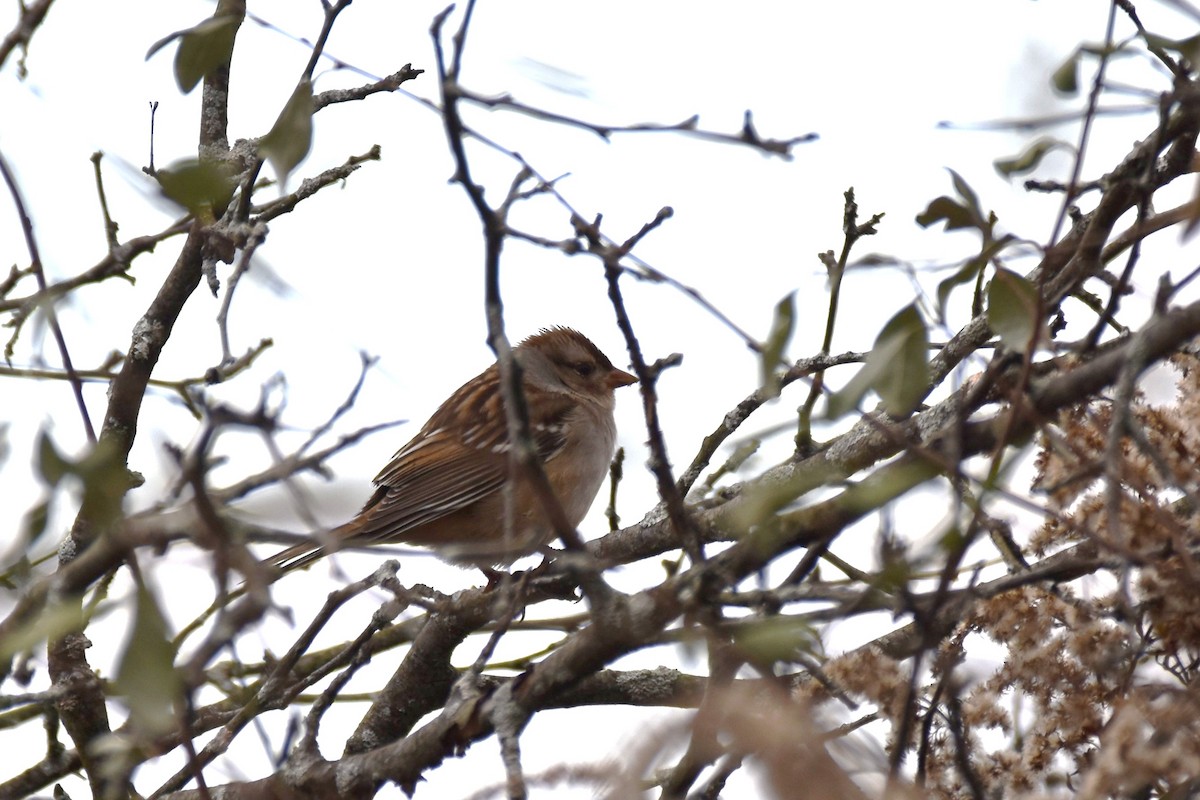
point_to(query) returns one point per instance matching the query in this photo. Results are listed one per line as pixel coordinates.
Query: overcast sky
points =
(391, 263)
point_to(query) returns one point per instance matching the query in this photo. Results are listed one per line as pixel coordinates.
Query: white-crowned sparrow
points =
(445, 489)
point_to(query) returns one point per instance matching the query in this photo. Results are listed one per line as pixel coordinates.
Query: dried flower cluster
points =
(1091, 695)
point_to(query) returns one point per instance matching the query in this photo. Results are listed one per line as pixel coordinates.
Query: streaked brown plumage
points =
(445, 488)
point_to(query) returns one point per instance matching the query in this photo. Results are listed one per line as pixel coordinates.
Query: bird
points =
(454, 488)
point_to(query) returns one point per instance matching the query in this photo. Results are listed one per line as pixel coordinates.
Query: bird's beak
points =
(619, 377)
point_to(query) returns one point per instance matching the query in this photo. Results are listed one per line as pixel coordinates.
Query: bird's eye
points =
(583, 368)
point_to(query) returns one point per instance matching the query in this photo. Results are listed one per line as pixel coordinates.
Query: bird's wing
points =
(449, 466)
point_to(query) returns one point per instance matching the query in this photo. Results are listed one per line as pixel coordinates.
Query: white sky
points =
(391, 264)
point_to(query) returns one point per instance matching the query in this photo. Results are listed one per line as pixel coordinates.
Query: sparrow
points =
(454, 488)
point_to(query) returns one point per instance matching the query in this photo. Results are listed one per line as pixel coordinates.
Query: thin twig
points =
(110, 227)
(35, 263)
(852, 232)
(332, 10)
(32, 15)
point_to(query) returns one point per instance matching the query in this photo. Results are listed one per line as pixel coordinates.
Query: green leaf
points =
(942, 208)
(970, 199)
(1065, 79)
(202, 49)
(970, 271)
(782, 325)
(105, 480)
(896, 368)
(952, 541)
(964, 212)
(290, 138)
(965, 274)
(163, 42)
(204, 188)
(782, 638)
(1013, 310)
(901, 353)
(51, 623)
(51, 464)
(1028, 159)
(146, 675)
(1189, 48)
(34, 524)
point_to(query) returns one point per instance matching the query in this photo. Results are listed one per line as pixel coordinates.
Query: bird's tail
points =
(307, 553)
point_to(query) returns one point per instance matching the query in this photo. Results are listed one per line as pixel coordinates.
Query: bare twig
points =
(310, 186)
(852, 231)
(31, 17)
(688, 127)
(35, 262)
